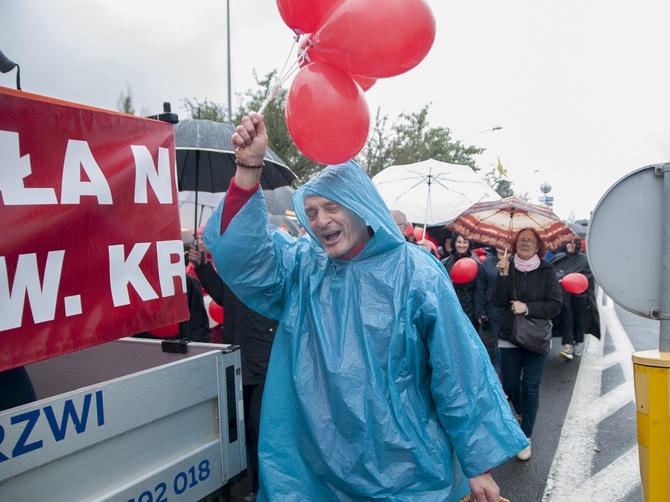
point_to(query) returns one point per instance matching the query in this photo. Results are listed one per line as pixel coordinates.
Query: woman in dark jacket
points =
(579, 314)
(461, 249)
(526, 285)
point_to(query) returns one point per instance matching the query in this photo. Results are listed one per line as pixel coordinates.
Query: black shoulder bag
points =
(528, 332)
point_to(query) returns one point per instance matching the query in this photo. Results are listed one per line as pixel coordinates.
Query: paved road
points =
(585, 443)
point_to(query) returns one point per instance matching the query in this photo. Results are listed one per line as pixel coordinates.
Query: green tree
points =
(499, 183)
(410, 140)
(279, 139)
(376, 155)
(503, 186)
(125, 101)
(207, 110)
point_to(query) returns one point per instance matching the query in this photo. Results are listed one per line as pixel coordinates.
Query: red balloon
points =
(307, 54)
(166, 331)
(326, 114)
(216, 312)
(376, 38)
(418, 234)
(575, 283)
(303, 16)
(464, 271)
(364, 82)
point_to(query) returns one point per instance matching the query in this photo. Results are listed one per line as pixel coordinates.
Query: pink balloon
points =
(303, 16)
(326, 114)
(464, 271)
(575, 283)
(376, 38)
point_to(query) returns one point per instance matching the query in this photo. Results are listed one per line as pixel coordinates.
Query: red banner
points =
(91, 246)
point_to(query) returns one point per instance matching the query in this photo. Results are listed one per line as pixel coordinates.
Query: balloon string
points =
(283, 76)
(303, 54)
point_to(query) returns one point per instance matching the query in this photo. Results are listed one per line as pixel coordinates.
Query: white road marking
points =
(612, 483)
(570, 476)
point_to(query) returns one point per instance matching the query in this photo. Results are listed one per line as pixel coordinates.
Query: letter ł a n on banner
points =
(91, 249)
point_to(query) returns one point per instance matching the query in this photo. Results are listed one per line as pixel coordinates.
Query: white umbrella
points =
(432, 192)
(207, 203)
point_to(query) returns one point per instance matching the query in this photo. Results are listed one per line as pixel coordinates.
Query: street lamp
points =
(547, 201)
(495, 128)
(7, 65)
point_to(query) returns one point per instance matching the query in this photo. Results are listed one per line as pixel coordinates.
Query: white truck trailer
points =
(126, 421)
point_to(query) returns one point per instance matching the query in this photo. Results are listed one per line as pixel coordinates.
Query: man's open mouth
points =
(330, 237)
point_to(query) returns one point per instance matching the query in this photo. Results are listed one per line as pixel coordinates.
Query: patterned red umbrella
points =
(495, 223)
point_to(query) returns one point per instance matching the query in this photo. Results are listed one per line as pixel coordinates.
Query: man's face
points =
(401, 222)
(338, 229)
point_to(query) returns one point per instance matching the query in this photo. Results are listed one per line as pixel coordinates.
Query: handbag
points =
(531, 333)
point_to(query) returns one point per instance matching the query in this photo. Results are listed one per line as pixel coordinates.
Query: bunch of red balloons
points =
(346, 46)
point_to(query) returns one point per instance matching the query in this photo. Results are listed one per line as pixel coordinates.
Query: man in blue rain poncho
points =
(378, 387)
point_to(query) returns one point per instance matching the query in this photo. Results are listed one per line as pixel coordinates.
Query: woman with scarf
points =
(579, 314)
(460, 249)
(526, 285)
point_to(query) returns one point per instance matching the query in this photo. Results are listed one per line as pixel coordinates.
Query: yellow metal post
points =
(652, 388)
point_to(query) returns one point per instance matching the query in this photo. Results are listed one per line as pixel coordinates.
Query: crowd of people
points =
(523, 283)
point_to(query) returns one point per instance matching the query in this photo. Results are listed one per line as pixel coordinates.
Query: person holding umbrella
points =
(377, 381)
(526, 286)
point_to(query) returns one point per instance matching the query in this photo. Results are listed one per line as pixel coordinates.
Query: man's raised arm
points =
(249, 143)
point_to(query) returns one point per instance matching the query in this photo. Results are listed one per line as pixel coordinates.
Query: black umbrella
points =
(278, 201)
(577, 228)
(206, 161)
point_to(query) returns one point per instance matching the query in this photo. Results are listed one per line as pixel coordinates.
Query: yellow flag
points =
(501, 170)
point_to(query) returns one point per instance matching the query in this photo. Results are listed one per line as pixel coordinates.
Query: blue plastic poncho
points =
(378, 386)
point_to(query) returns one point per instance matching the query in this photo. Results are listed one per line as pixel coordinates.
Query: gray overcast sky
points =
(580, 87)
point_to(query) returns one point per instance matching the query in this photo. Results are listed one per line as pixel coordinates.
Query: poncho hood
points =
(349, 186)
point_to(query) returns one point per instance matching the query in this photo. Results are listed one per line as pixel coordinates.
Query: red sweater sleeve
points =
(236, 197)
